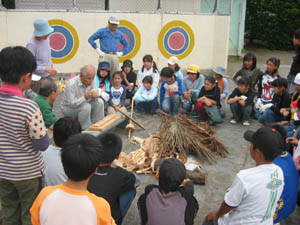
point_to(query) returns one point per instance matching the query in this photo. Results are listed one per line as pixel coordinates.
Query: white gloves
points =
(99, 52)
(265, 107)
(119, 54)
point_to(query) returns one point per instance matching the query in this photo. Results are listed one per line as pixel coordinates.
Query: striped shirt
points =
(21, 123)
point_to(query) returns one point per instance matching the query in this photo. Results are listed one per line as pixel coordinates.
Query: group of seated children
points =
(89, 188)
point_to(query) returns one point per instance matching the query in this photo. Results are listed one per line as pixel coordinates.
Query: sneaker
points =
(233, 121)
(246, 123)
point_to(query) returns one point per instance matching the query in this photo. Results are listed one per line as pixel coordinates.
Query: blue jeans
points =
(188, 105)
(126, 200)
(240, 113)
(170, 104)
(223, 108)
(148, 107)
(290, 130)
(269, 116)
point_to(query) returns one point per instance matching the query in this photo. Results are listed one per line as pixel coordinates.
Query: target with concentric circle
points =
(176, 38)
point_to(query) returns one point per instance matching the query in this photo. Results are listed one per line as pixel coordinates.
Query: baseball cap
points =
(104, 65)
(171, 174)
(173, 60)
(35, 77)
(127, 63)
(297, 79)
(193, 69)
(268, 140)
(220, 70)
(114, 20)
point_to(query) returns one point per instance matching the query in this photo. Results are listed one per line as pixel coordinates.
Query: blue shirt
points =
(109, 42)
(288, 198)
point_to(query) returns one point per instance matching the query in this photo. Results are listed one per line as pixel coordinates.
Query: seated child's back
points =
(169, 202)
(110, 182)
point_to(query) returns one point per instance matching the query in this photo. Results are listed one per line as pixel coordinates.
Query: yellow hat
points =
(193, 69)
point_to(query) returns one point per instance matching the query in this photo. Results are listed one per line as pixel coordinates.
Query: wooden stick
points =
(128, 117)
(131, 114)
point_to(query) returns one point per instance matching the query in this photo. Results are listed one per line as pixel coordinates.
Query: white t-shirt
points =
(254, 195)
(267, 88)
(154, 74)
(168, 86)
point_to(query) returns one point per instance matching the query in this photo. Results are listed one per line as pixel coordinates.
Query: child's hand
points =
(211, 216)
(283, 123)
(208, 103)
(185, 181)
(292, 140)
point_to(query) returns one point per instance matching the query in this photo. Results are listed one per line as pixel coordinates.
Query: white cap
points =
(297, 79)
(35, 77)
(173, 60)
(114, 20)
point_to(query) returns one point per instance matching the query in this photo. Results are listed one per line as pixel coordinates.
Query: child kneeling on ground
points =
(208, 105)
(113, 183)
(170, 91)
(146, 96)
(241, 102)
(71, 203)
(172, 201)
(278, 109)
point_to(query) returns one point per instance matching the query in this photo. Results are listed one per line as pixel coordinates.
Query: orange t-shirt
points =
(61, 205)
(221, 85)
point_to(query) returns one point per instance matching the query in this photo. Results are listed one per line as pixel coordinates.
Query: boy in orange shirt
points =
(70, 203)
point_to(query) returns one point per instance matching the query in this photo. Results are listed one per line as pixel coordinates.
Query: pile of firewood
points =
(176, 137)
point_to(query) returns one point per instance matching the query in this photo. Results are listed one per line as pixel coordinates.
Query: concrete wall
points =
(211, 34)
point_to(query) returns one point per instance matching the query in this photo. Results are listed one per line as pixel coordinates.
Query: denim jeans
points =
(269, 116)
(148, 107)
(240, 113)
(290, 130)
(126, 200)
(170, 104)
(188, 105)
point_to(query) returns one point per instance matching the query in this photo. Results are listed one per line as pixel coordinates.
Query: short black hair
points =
(81, 156)
(171, 175)
(297, 34)
(167, 72)
(14, 63)
(276, 62)
(48, 85)
(280, 82)
(210, 79)
(243, 81)
(148, 79)
(64, 128)
(147, 58)
(112, 146)
(117, 74)
(250, 56)
(282, 131)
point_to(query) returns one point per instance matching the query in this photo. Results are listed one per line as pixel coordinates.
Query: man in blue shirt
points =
(109, 39)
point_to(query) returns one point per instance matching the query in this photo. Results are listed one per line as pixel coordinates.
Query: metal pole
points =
(106, 7)
(159, 5)
(75, 6)
(216, 7)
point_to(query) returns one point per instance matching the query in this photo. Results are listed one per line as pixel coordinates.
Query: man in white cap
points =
(109, 39)
(40, 48)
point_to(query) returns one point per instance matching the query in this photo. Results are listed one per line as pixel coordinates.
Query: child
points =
(265, 89)
(110, 182)
(287, 202)
(129, 78)
(173, 64)
(294, 123)
(102, 78)
(149, 68)
(191, 86)
(252, 197)
(219, 73)
(249, 71)
(71, 203)
(172, 200)
(170, 91)
(62, 130)
(209, 102)
(280, 103)
(146, 96)
(295, 67)
(117, 94)
(241, 102)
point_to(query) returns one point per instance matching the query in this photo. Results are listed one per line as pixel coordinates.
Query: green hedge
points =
(273, 22)
(9, 4)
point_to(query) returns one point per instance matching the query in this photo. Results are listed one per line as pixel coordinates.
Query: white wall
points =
(211, 35)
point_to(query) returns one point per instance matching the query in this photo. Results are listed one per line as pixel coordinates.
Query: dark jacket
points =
(213, 94)
(250, 96)
(110, 183)
(256, 75)
(158, 209)
(280, 101)
(295, 67)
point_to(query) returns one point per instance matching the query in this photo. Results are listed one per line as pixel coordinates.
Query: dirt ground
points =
(222, 173)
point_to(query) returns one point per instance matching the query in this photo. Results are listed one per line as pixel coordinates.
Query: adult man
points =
(110, 38)
(79, 101)
(22, 136)
(40, 48)
(45, 99)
